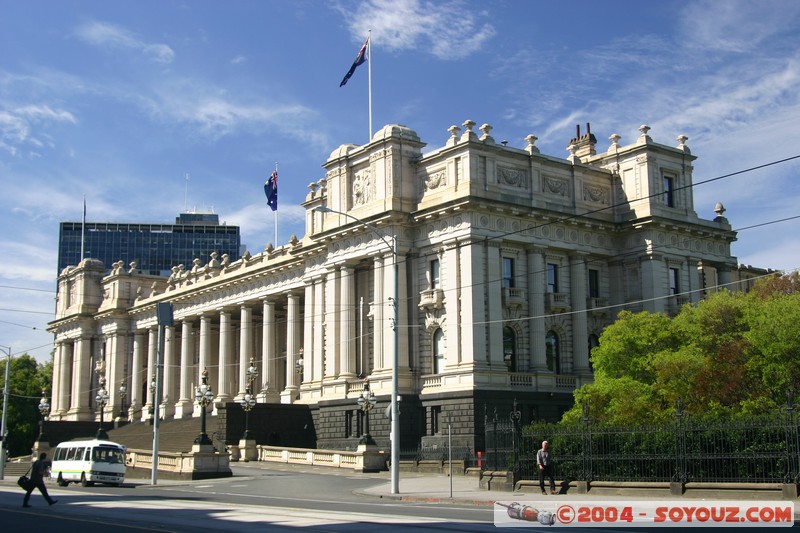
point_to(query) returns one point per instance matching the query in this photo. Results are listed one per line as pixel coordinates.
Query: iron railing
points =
(763, 449)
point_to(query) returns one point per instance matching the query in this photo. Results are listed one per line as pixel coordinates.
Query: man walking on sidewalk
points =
(545, 462)
(38, 472)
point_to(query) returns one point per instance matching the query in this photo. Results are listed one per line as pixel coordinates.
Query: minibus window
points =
(108, 455)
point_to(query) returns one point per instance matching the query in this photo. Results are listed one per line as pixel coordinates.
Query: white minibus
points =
(89, 462)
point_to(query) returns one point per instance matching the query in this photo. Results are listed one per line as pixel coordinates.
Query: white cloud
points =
(446, 30)
(16, 125)
(103, 34)
(239, 60)
(218, 113)
(736, 26)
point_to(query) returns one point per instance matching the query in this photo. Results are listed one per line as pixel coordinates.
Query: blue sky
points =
(119, 101)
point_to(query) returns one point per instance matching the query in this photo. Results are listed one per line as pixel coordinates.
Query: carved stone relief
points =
(434, 180)
(599, 195)
(363, 187)
(556, 186)
(512, 176)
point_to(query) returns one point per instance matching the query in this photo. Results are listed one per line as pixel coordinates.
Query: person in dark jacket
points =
(38, 473)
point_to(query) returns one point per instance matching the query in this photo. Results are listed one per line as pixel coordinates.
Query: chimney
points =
(584, 144)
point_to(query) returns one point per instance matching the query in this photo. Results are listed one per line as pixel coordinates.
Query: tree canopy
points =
(27, 379)
(732, 354)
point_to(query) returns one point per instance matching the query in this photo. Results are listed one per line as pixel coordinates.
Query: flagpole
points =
(369, 60)
(83, 229)
(276, 212)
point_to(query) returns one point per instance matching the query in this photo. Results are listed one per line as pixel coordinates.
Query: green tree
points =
(27, 379)
(731, 354)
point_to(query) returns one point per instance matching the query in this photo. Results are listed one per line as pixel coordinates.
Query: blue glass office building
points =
(156, 248)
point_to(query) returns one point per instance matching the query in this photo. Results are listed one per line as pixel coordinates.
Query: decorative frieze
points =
(600, 195)
(555, 186)
(512, 176)
(434, 180)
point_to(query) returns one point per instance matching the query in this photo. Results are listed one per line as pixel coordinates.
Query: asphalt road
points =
(252, 500)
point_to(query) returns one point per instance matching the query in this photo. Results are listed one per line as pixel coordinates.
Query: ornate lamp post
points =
(44, 409)
(249, 400)
(366, 402)
(123, 392)
(102, 401)
(152, 409)
(203, 396)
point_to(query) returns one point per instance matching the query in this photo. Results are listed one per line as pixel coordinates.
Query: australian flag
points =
(361, 58)
(271, 190)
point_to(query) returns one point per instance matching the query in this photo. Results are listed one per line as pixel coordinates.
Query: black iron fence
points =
(763, 449)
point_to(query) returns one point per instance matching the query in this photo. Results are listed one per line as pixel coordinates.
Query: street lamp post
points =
(152, 409)
(44, 409)
(366, 402)
(123, 392)
(393, 402)
(249, 400)
(102, 401)
(203, 396)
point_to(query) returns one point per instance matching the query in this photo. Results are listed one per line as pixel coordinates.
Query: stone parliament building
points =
(510, 263)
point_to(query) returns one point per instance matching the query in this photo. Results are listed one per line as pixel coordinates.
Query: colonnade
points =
(304, 343)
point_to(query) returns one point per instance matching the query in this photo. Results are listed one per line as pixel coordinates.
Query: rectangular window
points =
(436, 413)
(508, 272)
(435, 274)
(669, 190)
(594, 283)
(552, 277)
(674, 281)
(348, 424)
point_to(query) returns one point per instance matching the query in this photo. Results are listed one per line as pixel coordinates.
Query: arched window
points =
(438, 351)
(510, 348)
(594, 341)
(553, 352)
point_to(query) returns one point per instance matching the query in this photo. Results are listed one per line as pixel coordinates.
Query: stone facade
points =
(509, 265)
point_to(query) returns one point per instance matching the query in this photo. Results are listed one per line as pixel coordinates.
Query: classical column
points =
(450, 285)
(184, 406)
(580, 323)
(225, 359)
(307, 343)
(724, 277)
(403, 331)
(494, 286)
(168, 399)
(65, 378)
(135, 391)
(473, 304)
(55, 384)
(537, 280)
(378, 323)
(205, 347)
(245, 347)
(116, 357)
(268, 357)
(152, 357)
(293, 330)
(81, 379)
(331, 306)
(347, 320)
(653, 283)
(318, 356)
